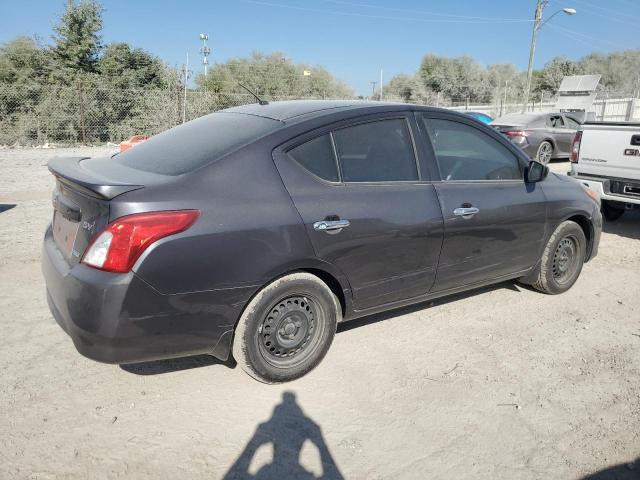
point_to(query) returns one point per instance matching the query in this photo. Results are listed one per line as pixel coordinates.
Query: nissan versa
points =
(254, 231)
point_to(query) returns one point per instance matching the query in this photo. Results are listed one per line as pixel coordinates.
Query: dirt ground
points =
(500, 383)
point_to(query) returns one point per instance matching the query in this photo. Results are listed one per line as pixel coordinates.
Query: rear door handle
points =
(331, 225)
(466, 212)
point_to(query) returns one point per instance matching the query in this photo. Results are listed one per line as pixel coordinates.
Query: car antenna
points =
(260, 101)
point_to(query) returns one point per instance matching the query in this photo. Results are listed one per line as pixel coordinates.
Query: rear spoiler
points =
(70, 171)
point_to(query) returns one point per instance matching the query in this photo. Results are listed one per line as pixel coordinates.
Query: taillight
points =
(516, 133)
(575, 147)
(122, 242)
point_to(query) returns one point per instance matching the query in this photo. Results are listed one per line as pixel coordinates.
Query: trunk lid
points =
(81, 199)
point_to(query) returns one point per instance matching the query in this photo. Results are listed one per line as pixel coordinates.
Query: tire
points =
(561, 261)
(287, 328)
(545, 152)
(610, 211)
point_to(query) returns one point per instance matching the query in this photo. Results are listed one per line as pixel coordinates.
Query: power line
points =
(379, 17)
(587, 37)
(423, 12)
(609, 10)
(622, 20)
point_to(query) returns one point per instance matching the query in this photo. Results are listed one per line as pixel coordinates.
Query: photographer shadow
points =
(286, 431)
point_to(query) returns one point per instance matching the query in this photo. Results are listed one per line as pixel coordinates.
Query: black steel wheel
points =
(287, 328)
(561, 261)
(289, 332)
(565, 259)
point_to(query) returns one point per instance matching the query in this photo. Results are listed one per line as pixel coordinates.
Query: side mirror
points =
(536, 172)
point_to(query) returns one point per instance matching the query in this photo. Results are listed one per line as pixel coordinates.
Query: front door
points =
(366, 207)
(494, 222)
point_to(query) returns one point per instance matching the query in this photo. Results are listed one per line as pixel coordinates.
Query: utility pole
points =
(205, 51)
(373, 89)
(537, 25)
(184, 101)
(380, 84)
(504, 101)
(540, 4)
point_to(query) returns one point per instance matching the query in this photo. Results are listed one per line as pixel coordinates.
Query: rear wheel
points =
(286, 330)
(611, 211)
(562, 259)
(545, 151)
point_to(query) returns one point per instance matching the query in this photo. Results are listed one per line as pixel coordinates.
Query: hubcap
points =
(288, 331)
(565, 259)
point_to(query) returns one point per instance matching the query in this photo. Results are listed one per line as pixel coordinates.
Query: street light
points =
(537, 25)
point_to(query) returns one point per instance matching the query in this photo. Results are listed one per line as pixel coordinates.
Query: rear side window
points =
(185, 148)
(571, 123)
(317, 156)
(379, 151)
(466, 153)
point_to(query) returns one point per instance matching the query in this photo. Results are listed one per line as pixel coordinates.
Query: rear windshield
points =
(185, 148)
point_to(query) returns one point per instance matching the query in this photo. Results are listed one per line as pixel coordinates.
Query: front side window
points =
(378, 151)
(317, 156)
(464, 152)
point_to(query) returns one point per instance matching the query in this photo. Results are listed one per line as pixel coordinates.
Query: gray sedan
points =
(543, 136)
(252, 232)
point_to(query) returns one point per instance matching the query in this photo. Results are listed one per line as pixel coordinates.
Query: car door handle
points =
(330, 225)
(466, 212)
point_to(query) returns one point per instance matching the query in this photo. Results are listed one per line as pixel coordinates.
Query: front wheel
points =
(562, 259)
(287, 328)
(545, 151)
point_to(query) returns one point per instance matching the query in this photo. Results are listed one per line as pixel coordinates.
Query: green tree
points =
(77, 40)
(458, 78)
(273, 76)
(550, 78)
(124, 67)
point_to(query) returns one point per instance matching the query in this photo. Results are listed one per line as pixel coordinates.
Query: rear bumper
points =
(118, 318)
(601, 187)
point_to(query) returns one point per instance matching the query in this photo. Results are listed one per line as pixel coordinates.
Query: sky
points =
(353, 39)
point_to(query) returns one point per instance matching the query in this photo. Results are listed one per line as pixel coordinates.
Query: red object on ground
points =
(133, 141)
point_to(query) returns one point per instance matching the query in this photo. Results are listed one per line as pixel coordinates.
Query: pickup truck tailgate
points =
(610, 151)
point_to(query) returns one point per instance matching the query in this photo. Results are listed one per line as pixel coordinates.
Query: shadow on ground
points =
(175, 365)
(624, 471)
(626, 226)
(6, 206)
(379, 317)
(287, 432)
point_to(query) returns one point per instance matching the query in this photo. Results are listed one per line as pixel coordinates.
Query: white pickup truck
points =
(605, 156)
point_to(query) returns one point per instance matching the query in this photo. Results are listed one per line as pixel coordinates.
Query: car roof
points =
(292, 110)
(518, 118)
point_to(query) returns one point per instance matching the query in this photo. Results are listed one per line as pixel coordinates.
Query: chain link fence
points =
(79, 114)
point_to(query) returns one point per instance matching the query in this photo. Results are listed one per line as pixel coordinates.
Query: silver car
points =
(543, 136)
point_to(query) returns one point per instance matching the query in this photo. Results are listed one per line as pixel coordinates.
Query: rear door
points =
(494, 222)
(561, 135)
(367, 206)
